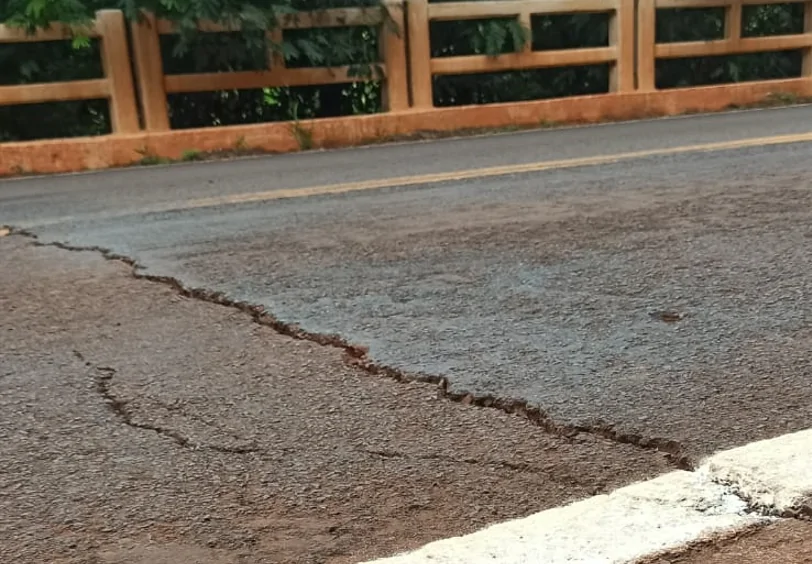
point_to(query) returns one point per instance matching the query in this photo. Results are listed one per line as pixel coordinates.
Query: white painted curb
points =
(774, 476)
(732, 490)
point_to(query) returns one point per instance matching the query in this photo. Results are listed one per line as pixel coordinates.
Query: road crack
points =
(357, 356)
(515, 466)
(102, 379)
(553, 472)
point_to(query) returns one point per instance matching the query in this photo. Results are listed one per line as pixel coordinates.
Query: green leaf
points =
(495, 36)
(80, 42)
(311, 51)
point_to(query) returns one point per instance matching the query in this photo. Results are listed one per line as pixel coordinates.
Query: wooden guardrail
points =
(154, 84)
(649, 51)
(619, 53)
(116, 86)
(407, 64)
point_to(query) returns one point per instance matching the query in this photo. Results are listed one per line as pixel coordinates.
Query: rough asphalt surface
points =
(38, 200)
(138, 426)
(665, 297)
(788, 542)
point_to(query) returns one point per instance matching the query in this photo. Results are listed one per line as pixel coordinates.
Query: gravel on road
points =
(139, 426)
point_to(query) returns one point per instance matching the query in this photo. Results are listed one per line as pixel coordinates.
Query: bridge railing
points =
(410, 66)
(734, 43)
(116, 86)
(154, 84)
(619, 53)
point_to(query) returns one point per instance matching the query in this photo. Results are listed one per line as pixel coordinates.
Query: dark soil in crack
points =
(140, 426)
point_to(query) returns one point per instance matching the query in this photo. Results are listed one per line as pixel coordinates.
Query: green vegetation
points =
(190, 155)
(249, 49)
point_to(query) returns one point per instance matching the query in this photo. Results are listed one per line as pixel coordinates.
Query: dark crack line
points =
(555, 474)
(358, 356)
(515, 466)
(194, 417)
(118, 407)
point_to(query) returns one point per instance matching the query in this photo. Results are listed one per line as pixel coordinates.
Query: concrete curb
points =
(731, 491)
(93, 153)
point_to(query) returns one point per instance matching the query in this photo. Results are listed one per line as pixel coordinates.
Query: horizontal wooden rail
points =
(54, 92)
(338, 17)
(732, 46)
(209, 82)
(512, 8)
(525, 60)
(708, 4)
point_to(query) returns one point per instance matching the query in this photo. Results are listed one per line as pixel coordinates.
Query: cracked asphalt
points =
(138, 426)
(659, 300)
(547, 287)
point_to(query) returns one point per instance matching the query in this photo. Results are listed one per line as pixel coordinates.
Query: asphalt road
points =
(138, 427)
(546, 286)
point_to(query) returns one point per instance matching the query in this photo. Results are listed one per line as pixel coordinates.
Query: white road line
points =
(646, 518)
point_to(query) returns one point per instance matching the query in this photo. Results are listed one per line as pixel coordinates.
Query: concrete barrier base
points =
(90, 153)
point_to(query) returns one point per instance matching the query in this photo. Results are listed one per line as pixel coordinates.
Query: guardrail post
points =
(276, 58)
(526, 21)
(806, 70)
(420, 54)
(149, 69)
(646, 40)
(621, 36)
(733, 21)
(393, 45)
(117, 69)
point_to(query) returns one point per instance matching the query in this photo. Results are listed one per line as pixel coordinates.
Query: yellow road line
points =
(434, 178)
(487, 172)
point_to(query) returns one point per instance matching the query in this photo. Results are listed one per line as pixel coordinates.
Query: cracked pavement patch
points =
(141, 426)
(357, 355)
(657, 300)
